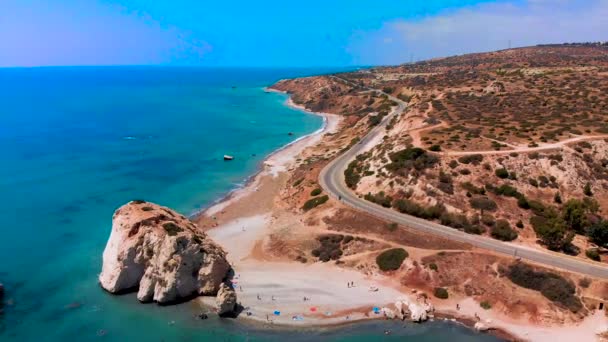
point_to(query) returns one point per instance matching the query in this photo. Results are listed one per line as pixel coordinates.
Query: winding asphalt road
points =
(332, 180)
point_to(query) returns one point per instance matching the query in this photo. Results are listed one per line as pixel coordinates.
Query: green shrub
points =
(392, 226)
(488, 220)
(316, 192)
(435, 148)
(553, 286)
(315, 202)
(485, 305)
(433, 266)
(331, 246)
(172, 229)
(502, 173)
(441, 293)
(474, 229)
(474, 159)
(411, 158)
(380, 198)
(593, 254)
(598, 233)
(519, 224)
(411, 208)
(482, 203)
(391, 260)
(587, 190)
(503, 231)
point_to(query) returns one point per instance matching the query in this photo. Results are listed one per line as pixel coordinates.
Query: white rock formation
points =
(225, 300)
(162, 254)
(418, 312)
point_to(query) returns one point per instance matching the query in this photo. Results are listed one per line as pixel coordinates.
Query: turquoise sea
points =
(76, 143)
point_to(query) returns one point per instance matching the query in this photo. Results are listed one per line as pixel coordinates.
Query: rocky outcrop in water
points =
(226, 300)
(161, 254)
(1, 292)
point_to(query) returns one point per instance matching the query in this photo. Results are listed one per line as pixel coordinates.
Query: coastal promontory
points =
(161, 254)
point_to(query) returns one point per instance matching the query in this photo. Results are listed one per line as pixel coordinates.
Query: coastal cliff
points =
(161, 254)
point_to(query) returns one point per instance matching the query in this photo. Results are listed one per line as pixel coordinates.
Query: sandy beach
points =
(283, 292)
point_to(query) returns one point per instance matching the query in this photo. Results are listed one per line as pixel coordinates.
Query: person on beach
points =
(259, 298)
(457, 306)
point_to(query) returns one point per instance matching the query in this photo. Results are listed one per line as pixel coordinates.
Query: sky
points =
(283, 33)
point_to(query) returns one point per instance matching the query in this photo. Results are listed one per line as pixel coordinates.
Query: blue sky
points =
(281, 33)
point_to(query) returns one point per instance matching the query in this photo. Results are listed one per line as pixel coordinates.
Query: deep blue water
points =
(77, 143)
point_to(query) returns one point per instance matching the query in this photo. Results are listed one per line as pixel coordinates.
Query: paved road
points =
(332, 180)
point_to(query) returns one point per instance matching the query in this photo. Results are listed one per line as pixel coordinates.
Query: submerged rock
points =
(1, 291)
(162, 254)
(226, 300)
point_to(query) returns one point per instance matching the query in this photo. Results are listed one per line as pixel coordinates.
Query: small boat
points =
(227, 157)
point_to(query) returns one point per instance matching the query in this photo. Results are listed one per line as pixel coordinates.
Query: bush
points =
(593, 254)
(553, 286)
(488, 220)
(411, 208)
(502, 173)
(331, 246)
(503, 231)
(587, 190)
(433, 266)
(441, 293)
(316, 192)
(391, 260)
(411, 158)
(352, 174)
(392, 227)
(598, 233)
(485, 305)
(457, 221)
(584, 283)
(482, 203)
(474, 159)
(474, 229)
(435, 148)
(379, 198)
(147, 208)
(315, 202)
(551, 231)
(519, 224)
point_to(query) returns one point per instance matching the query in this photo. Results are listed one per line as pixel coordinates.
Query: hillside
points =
(512, 144)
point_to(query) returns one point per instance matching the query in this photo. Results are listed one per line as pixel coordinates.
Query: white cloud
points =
(485, 28)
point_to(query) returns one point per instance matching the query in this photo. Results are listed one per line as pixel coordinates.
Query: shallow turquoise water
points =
(77, 143)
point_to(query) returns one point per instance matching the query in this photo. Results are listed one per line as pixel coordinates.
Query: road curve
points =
(331, 179)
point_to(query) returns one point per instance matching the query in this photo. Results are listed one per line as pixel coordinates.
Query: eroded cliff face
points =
(161, 254)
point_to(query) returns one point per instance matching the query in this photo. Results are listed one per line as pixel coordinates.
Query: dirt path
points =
(544, 147)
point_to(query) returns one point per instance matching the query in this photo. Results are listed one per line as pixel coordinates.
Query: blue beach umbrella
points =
(277, 313)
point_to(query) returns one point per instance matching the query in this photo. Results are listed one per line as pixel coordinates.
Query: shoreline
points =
(248, 182)
(287, 280)
(250, 186)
